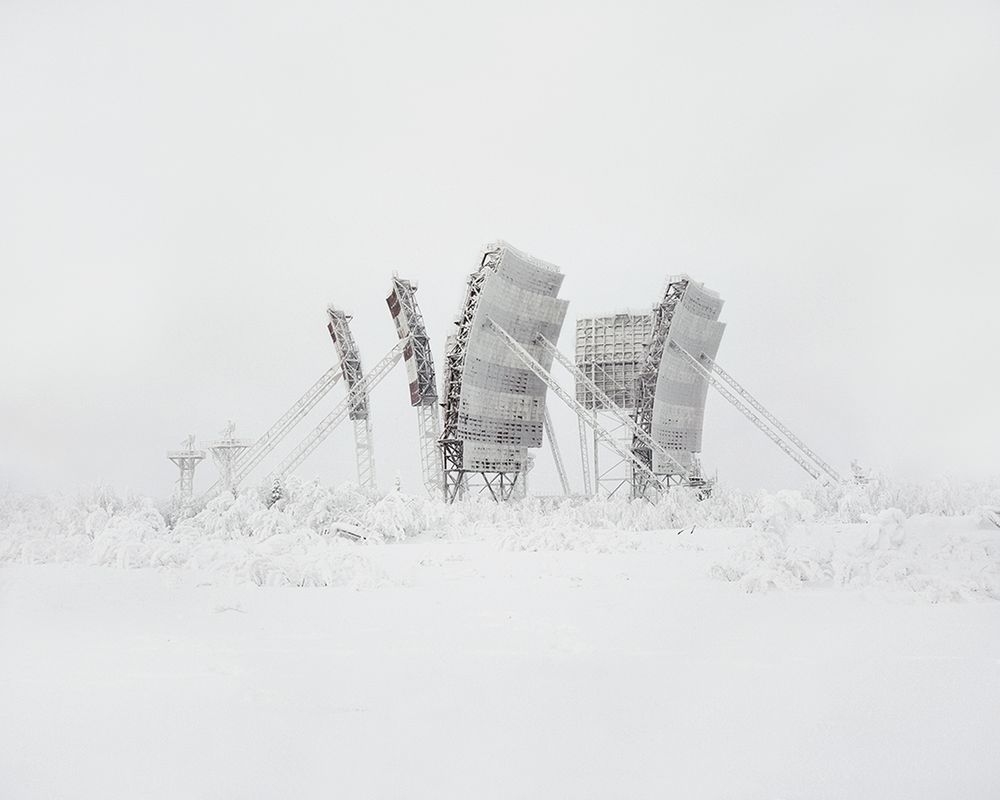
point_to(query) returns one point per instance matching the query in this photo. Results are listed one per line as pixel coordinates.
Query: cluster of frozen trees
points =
(310, 536)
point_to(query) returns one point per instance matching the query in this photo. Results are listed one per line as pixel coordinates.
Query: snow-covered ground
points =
(785, 647)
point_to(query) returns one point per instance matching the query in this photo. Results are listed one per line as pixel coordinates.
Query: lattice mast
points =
(645, 385)
(453, 469)
(226, 452)
(359, 411)
(422, 382)
(186, 460)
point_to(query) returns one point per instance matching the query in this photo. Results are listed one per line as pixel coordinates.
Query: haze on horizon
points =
(184, 187)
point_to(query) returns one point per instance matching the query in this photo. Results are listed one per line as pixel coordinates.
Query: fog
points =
(185, 186)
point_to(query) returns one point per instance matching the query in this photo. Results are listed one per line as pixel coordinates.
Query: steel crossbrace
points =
(602, 433)
(610, 407)
(365, 384)
(556, 455)
(273, 436)
(713, 365)
(747, 412)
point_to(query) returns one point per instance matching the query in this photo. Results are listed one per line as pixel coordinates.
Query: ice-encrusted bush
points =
(297, 539)
(236, 537)
(936, 559)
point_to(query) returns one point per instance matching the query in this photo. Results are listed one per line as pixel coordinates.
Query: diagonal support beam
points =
(611, 408)
(720, 386)
(556, 455)
(273, 436)
(327, 425)
(767, 415)
(602, 433)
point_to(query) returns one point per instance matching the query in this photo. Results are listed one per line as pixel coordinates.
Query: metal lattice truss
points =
(607, 405)
(186, 460)
(455, 482)
(350, 365)
(226, 452)
(274, 435)
(602, 433)
(422, 384)
(783, 429)
(588, 488)
(429, 432)
(767, 423)
(556, 454)
(362, 386)
(645, 386)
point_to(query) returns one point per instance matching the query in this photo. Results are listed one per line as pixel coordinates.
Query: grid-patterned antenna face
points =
(679, 404)
(417, 355)
(501, 403)
(609, 351)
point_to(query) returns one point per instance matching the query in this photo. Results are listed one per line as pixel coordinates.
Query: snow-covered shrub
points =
(930, 557)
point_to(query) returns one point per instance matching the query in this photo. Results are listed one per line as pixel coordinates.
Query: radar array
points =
(640, 381)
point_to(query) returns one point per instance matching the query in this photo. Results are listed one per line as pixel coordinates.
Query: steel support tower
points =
(226, 452)
(186, 460)
(455, 479)
(422, 383)
(359, 412)
(608, 353)
(645, 384)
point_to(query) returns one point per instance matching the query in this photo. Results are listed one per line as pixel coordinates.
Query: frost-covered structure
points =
(350, 365)
(629, 357)
(679, 401)
(419, 361)
(609, 351)
(494, 406)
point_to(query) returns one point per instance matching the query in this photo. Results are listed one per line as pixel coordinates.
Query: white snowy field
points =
(496, 653)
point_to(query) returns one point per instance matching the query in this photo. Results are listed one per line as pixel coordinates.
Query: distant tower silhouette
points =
(225, 452)
(186, 460)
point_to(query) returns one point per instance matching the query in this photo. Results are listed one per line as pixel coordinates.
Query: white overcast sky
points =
(185, 185)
